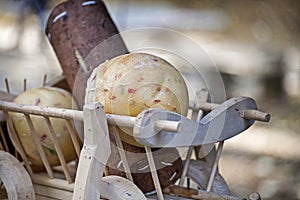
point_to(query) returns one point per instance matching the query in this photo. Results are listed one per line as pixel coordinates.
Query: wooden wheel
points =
(15, 178)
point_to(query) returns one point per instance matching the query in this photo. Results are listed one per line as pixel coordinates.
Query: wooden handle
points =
(126, 121)
(256, 115)
(247, 114)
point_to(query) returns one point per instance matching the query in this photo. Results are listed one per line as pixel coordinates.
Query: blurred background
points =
(254, 44)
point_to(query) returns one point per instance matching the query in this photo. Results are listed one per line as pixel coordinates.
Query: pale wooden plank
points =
(52, 192)
(41, 197)
(58, 150)
(43, 179)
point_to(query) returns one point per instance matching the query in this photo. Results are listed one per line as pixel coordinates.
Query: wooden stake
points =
(215, 167)
(154, 173)
(44, 80)
(201, 96)
(77, 143)
(58, 150)
(122, 153)
(25, 85)
(16, 142)
(186, 165)
(7, 85)
(6, 148)
(39, 147)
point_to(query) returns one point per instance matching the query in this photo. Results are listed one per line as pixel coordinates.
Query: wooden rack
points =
(60, 183)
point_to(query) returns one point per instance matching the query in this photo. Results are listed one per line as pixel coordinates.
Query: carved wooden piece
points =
(220, 124)
(94, 153)
(78, 114)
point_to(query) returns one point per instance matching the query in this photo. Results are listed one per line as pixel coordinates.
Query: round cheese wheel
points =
(51, 97)
(131, 83)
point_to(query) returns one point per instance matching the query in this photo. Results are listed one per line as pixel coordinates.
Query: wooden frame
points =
(58, 182)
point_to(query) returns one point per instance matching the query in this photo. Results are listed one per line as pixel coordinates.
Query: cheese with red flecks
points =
(50, 97)
(131, 83)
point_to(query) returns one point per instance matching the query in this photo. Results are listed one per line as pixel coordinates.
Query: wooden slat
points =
(154, 173)
(122, 153)
(201, 96)
(6, 148)
(58, 150)
(39, 147)
(16, 142)
(52, 192)
(72, 166)
(41, 197)
(214, 169)
(190, 151)
(75, 139)
(43, 179)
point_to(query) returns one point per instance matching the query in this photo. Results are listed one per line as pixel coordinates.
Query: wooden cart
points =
(83, 178)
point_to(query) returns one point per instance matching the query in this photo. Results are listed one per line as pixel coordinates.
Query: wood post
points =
(94, 153)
